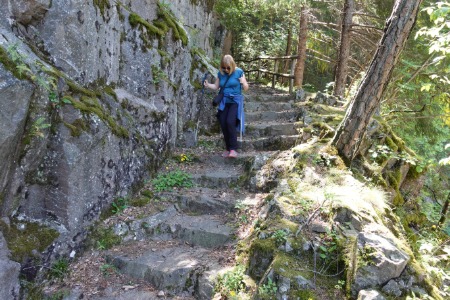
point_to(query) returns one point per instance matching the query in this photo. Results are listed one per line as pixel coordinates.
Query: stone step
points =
(142, 229)
(269, 116)
(208, 231)
(203, 230)
(174, 268)
(252, 106)
(281, 142)
(268, 97)
(218, 179)
(272, 129)
(201, 200)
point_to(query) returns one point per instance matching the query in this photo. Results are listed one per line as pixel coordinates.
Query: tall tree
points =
(362, 107)
(301, 48)
(344, 49)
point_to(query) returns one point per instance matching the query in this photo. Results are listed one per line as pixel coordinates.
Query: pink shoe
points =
(233, 154)
(225, 153)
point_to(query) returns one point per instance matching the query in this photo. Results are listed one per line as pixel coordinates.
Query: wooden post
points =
(291, 72)
(258, 76)
(274, 76)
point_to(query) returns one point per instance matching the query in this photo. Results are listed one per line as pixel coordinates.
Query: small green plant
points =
(166, 182)
(38, 126)
(108, 270)
(244, 219)
(366, 255)
(103, 238)
(119, 205)
(231, 282)
(147, 193)
(381, 151)
(280, 236)
(35, 71)
(328, 249)
(207, 145)
(269, 289)
(340, 285)
(240, 205)
(59, 269)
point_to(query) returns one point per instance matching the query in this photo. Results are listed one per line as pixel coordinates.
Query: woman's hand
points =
(244, 82)
(212, 86)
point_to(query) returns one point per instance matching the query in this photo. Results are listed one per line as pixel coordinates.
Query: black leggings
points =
(228, 121)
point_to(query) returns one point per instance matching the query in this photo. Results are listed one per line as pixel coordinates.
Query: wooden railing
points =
(270, 66)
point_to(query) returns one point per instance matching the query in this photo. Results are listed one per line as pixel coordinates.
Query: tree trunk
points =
(362, 107)
(344, 49)
(228, 41)
(444, 210)
(301, 49)
(287, 62)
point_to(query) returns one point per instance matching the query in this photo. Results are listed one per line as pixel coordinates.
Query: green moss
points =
(74, 131)
(23, 237)
(390, 143)
(178, 32)
(398, 199)
(189, 125)
(158, 117)
(137, 21)
(81, 90)
(110, 91)
(77, 127)
(140, 202)
(102, 5)
(102, 238)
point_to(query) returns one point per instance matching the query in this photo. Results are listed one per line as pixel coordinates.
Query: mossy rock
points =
(261, 253)
(24, 237)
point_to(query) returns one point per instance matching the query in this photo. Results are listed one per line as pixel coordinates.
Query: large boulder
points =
(379, 260)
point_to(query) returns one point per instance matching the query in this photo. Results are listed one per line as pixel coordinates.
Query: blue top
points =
(233, 86)
(233, 94)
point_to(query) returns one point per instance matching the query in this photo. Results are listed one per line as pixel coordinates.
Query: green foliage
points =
(168, 181)
(340, 285)
(268, 289)
(38, 127)
(35, 71)
(439, 13)
(108, 270)
(328, 250)
(232, 282)
(59, 269)
(280, 236)
(119, 205)
(103, 238)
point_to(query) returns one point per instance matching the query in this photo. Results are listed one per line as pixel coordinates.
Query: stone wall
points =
(102, 102)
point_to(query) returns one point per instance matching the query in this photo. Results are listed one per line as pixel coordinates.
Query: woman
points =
(231, 110)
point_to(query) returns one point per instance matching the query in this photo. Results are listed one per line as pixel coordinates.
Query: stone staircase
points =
(181, 249)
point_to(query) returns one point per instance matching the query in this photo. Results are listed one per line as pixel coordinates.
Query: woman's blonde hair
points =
(227, 60)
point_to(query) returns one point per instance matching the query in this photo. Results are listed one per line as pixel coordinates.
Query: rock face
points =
(104, 97)
(9, 273)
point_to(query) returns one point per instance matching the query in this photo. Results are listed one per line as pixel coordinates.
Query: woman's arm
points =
(244, 82)
(212, 86)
